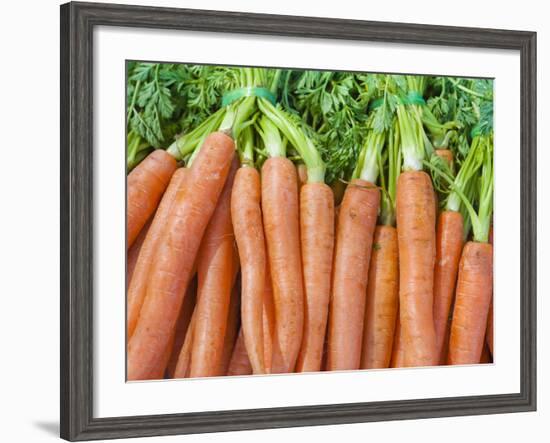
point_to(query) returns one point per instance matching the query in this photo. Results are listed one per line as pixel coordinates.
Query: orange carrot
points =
(317, 236)
(382, 300)
(176, 253)
(217, 268)
(137, 288)
(232, 329)
(246, 214)
(133, 253)
(473, 297)
(398, 351)
(324, 359)
(355, 230)
(182, 326)
(282, 231)
(448, 248)
(416, 239)
(240, 363)
(268, 316)
(160, 369)
(183, 358)
(146, 183)
(183, 362)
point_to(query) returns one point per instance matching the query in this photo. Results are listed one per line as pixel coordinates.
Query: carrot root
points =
(473, 297)
(382, 300)
(354, 235)
(317, 236)
(145, 186)
(415, 210)
(176, 253)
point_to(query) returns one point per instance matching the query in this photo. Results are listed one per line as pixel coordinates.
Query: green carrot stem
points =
(480, 220)
(133, 102)
(469, 168)
(389, 185)
(301, 142)
(369, 159)
(188, 143)
(246, 146)
(412, 141)
(271, 137)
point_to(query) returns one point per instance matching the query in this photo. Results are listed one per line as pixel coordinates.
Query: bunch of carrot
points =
(242, 260)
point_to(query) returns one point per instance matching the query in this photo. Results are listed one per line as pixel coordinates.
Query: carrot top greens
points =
(341, 125)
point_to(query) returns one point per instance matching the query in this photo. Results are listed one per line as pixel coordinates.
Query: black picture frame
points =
(77, 23)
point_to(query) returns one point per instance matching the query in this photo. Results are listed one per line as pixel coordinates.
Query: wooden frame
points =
(77, 23)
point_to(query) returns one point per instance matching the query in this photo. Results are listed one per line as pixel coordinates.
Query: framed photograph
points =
(274, 221)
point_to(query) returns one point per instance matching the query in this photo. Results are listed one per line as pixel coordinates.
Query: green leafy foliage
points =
(343, 116)
(165, 99)
(459, 100)
(334, 105)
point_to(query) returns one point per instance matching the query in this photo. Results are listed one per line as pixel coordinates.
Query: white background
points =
(29, 283)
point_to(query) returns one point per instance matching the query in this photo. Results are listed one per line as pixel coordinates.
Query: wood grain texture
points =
(76, 207)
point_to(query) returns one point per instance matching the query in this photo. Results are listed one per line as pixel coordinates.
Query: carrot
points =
(398, 351)
(282, 227)
(159, 370)
(183, 365)
(137, 288)
(473, 297)
(240, 363)
(176, 253)
(324, 363)
(246, 215)
(217, 268)
(324, 358)
(382, 300)
(416, 239)
(232, 329)
(282, 231)
(453, 228)
(268, 316)
(133, 253)
(317, 236)
(448, 248)
(355, 230)
(382, 336)
(475, 274)
(145, 186)
(182, 326)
